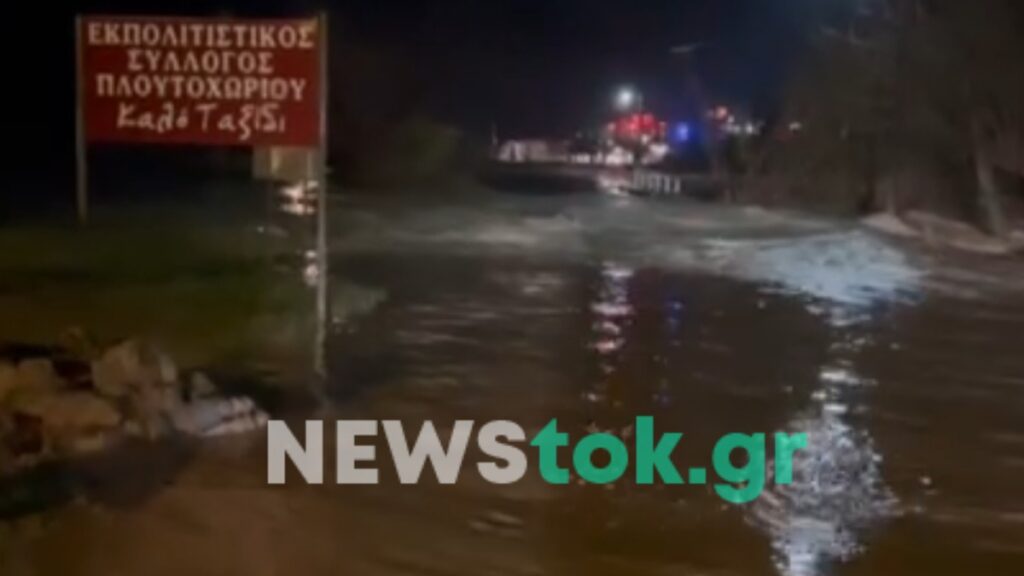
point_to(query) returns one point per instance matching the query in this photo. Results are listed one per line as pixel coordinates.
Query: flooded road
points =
(714, 321)
(905, 370)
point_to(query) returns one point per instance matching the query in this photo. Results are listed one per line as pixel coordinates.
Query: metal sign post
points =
(212, 82)
(322, 307)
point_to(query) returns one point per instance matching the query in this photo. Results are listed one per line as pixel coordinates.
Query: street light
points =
(626, 98)
(631, 101)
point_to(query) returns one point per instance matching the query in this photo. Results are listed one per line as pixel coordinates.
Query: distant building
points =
(520, 151)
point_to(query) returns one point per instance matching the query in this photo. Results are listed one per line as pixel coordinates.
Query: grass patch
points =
(203, 291)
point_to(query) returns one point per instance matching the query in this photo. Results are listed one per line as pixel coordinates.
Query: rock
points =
(133, 428)
(118, 370)
(145, 379)
(89, 442)
(166, 368)
(130, 366)
(201, 387)
(71, 422)
(68, 410)
(37, 375)
(153, 406)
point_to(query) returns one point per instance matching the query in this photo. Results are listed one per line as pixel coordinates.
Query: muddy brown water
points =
(910, 386)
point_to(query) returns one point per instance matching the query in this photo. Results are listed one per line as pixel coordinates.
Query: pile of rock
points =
(62, 406)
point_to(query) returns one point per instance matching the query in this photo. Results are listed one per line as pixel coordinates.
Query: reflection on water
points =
(612, 315)
(838, 495)
(838, 491)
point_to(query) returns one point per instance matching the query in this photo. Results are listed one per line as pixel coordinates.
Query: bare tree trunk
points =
(988, 186)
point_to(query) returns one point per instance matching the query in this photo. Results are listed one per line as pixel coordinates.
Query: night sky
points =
(530, 67)
(550, 66)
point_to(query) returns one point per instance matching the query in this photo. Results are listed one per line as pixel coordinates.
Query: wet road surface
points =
(905, 370)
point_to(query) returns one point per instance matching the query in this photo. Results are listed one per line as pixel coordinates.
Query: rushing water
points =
(906, 371)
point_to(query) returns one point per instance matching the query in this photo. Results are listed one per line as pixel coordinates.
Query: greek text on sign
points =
(201, 81)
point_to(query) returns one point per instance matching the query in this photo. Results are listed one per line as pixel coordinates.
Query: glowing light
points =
(683, 132)
(626, 98)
